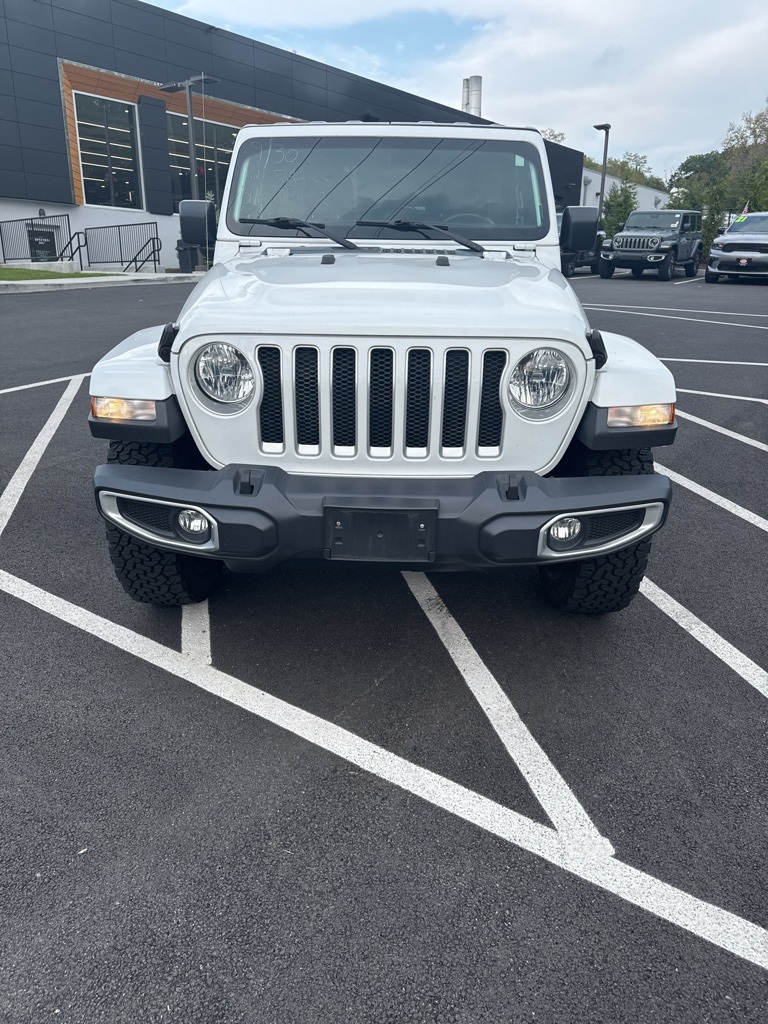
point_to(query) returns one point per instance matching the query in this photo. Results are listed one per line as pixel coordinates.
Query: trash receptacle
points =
(187, 255)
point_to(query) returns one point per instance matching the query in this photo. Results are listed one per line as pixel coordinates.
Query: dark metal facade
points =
(135, 39)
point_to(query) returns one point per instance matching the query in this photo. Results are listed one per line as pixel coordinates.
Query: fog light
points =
(565, 529)
(193, 525)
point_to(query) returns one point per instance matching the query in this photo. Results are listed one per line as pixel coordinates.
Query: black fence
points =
(36, 239)
(133, 245)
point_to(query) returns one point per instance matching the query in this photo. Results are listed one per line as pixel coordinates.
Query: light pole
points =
(186, 86)
(602, 128)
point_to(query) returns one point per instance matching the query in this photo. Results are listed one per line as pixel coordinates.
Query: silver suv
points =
(741, 250)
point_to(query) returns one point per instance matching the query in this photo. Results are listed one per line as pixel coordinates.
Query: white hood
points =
(380, 293)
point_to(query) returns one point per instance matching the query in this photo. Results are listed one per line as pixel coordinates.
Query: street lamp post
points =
(186, 86)
(602, 128)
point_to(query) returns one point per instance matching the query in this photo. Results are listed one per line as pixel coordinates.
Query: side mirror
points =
(621, 226)
(197, 219)
(579, 230)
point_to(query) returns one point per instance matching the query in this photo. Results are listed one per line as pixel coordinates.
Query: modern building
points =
(88, 138)
(647, 198)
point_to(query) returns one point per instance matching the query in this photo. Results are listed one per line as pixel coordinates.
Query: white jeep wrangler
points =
(384, 366)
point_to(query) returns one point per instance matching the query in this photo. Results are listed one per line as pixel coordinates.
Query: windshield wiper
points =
(421, 226)
(300, 225)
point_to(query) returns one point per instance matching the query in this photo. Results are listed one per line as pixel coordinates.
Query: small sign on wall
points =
(42, 244)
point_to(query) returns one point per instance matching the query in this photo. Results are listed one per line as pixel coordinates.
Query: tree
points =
(632, 167)
(551, 135)
(618, 204)
(694, 178)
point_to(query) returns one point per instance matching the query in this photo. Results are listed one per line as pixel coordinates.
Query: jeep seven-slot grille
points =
(444, 409)
(635, 242)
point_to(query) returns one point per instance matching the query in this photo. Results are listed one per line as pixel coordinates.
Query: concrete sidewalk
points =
(107, 281)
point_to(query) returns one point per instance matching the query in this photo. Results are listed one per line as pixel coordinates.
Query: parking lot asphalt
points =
(385, 797)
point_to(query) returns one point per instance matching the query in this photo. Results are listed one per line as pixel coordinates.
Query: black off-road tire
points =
(568, 268)
(711, 278)
(149, 574)
(668, 266)
(637, 271)
(600, 585)
(692, 268)
(606, 269)
(607, 583)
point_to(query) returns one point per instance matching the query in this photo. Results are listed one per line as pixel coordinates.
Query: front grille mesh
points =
(376, 402)
(491, 414)
(611, 524)
(271, 410)
(381, 397)
(307, 397)
(147, 514)
(455, 404)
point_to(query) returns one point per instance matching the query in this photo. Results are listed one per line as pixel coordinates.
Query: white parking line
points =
(713, 924)
(196, 632)
(9, 499)
(718, 394)
(689, 280)
(717, 362)
(42, 383)
(731, 656)
(548, 786)
(723, 430)
(677, 309)
(716, 499)
(685, 319)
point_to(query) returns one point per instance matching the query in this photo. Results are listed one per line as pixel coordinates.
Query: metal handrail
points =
(155, 245)
(77, 250)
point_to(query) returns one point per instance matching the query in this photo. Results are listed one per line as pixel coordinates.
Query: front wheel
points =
(606, 269)
(711, 278)
(667, 267)
(148, 574)
(692, 268)
(597, 586)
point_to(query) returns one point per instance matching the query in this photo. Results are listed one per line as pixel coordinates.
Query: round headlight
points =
(653, 242)
(224, 374)
(617, 241)
(540, 379)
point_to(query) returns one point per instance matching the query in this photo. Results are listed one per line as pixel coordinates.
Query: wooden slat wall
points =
(118, 87)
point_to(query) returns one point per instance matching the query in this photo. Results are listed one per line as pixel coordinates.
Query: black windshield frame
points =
(491, 189)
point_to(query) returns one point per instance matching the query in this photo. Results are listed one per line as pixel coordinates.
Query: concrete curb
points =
(118, 281)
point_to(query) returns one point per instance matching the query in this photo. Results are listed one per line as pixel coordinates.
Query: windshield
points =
(653, 221)
(752, 222)
(480, 188)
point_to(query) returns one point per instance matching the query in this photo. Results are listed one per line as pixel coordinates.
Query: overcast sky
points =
(668, 75)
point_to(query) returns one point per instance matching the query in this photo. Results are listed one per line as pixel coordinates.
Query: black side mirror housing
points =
(578, 232)
(620, 227)
(197, 220)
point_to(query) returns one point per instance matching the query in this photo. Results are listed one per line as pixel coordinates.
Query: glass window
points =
(484, 188)
(108, 153)
(213, 152)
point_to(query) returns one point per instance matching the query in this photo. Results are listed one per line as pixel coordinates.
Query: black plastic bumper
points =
(265, 516)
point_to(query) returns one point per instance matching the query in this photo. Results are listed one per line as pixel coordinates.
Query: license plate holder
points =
(380, 535)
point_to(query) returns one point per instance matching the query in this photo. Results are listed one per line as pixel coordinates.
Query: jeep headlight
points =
(224, 374)
(540, 379)
(653, 242)
(617, 241)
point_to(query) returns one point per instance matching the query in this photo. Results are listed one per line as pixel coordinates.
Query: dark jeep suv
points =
(658, 240)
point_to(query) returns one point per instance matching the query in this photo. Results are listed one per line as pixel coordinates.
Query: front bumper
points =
(635, 258)
(747, 263)
(261, 517)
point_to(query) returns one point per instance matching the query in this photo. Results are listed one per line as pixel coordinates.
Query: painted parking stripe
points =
(718, 394)
(10, 497)
(196, 632)
(749, 671)
(718, 362)
(677, 309)
(716, 499)
(713, 924)
(685, 319)
(722, 430)
(42, 383)
(546, 783)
